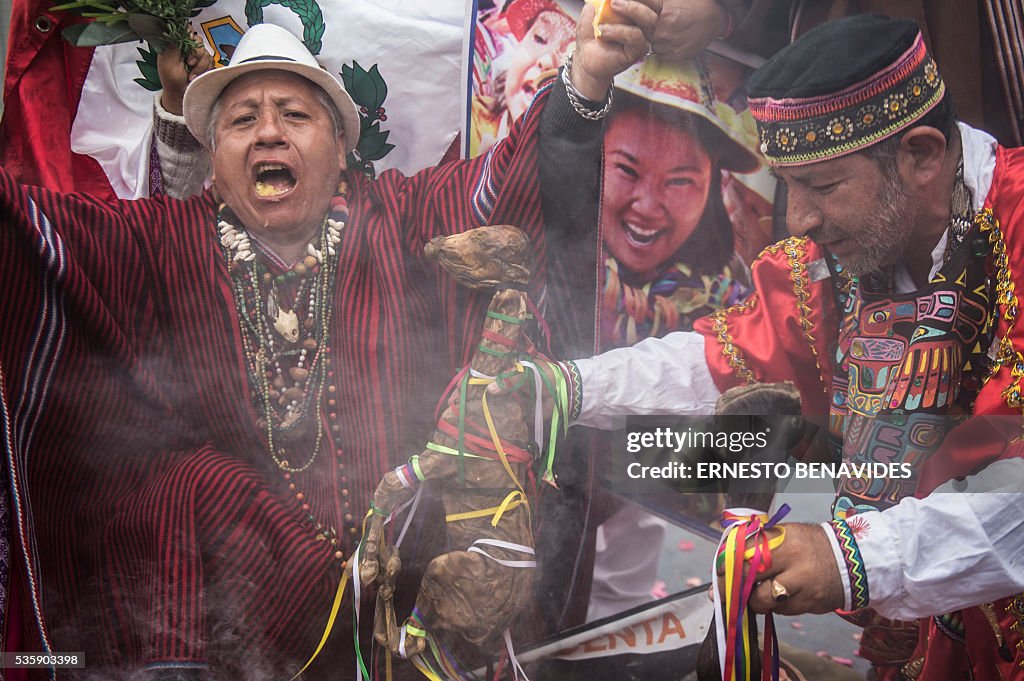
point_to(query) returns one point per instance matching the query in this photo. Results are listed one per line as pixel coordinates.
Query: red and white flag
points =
(79, 119)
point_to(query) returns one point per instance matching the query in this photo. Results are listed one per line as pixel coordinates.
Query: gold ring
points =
(779, 592)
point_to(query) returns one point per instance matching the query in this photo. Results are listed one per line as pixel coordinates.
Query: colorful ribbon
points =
(558, 388)
(335, 608)
(734, 622)
(479, 441)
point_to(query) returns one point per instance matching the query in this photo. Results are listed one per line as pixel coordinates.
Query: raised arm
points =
(656, 376)
(99, 260)
(184, 163)
(551, 147)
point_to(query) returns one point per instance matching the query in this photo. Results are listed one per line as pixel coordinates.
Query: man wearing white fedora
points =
(198, 397)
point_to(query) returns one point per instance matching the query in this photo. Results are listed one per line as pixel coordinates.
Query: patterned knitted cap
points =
(842, 87)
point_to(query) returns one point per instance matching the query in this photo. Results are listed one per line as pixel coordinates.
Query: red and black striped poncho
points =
(150, 526)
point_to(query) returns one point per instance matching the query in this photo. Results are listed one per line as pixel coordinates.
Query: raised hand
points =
(625, 39)
(177, 72)
(686, 27)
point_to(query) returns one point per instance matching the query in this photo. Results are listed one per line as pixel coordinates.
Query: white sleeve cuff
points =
(949, 550)
(844, 574)
(881, 550)
(184, 162)
(656, 376)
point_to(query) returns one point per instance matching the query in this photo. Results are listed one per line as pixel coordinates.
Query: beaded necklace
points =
(287, 349)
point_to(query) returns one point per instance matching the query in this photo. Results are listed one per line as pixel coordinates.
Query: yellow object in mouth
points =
(264, 190)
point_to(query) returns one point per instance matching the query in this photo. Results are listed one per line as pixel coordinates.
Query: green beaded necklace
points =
(268, 338)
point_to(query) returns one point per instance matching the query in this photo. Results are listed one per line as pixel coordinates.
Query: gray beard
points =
(889, 229)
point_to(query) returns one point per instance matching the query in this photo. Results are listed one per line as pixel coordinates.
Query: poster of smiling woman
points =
(685, 204)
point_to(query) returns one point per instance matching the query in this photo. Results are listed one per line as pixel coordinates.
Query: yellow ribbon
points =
(424, 669)
(514, 498)
(335, 608)
(773, 543)
(729, 554)
(497, 444)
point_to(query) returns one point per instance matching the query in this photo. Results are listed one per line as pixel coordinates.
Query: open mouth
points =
(640, 236)
(273, 179)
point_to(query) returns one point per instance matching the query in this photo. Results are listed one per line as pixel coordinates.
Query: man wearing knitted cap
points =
(198, 398)
(893, 311)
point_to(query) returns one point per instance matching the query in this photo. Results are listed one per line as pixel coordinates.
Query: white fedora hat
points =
(266, 46)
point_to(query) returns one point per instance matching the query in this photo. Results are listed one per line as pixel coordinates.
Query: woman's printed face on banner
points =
(656, 183)
(540, 53)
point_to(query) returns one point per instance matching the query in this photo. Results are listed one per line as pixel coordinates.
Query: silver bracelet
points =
(576, 97)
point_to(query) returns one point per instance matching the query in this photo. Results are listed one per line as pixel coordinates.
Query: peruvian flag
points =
(80, 119)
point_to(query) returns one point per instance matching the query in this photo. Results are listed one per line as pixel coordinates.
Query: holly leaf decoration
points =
(308, 12)
(373, 144)
(147, 65)
(368, 90)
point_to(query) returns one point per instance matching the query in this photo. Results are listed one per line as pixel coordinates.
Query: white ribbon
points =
(517, 668)
(508, 546)
(356, 602)
(538, 406)
(408, 519)
(402, 479)
(401, 642)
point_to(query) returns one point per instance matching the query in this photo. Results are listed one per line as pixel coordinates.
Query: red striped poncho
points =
(151, 527)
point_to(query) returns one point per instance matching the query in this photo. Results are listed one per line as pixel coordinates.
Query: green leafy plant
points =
(162, 23)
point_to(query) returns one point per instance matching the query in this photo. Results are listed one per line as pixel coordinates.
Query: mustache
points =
(826, 234)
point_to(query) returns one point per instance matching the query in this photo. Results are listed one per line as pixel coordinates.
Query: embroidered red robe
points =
(788, 332)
